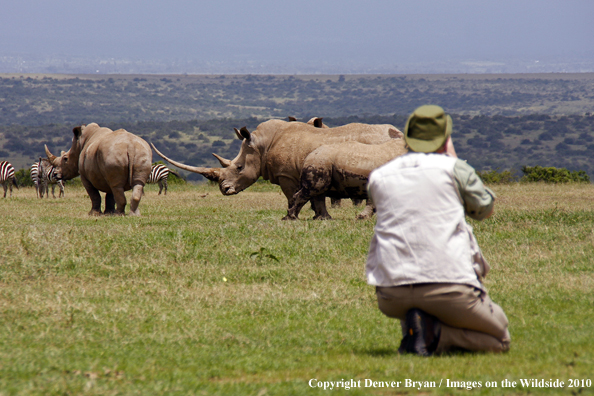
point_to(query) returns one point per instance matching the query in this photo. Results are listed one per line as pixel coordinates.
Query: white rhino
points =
(276, 151)
(108, 161)
(341, 171)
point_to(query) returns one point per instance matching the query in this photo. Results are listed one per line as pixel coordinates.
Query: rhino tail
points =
(131, 158)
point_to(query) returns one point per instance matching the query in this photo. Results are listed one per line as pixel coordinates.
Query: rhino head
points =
(235, 175)
(66, 165)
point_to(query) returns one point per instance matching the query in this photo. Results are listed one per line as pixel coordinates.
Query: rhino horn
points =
(224, 162)
(210, 173)
(50, 156)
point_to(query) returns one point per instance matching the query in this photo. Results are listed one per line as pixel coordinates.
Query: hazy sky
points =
(370, 31)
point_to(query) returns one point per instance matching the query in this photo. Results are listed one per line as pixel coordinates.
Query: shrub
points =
(23, 177)
(496, 177)
(553, 175)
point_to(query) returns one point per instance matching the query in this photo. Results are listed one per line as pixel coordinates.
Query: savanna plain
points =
(211, 295)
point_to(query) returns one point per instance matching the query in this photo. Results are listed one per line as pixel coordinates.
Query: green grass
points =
(217, 295)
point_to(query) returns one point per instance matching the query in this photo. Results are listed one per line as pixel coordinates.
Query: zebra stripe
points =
(7, 178)
(159, 174)
(34, 172)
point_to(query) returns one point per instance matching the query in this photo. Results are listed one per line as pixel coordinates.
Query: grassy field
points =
(210, 295)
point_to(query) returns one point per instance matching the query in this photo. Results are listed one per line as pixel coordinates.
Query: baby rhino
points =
(341, 171)
(108, 161)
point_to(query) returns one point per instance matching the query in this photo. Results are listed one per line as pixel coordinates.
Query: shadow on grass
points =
(388, 352)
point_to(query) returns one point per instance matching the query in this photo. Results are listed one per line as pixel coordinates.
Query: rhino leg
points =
(318, 204)
(289, 188)
(299, 200)
(120, 199)
(137, 192)
(368, 211)
(110, 204)
(314, 182)
(94, 195)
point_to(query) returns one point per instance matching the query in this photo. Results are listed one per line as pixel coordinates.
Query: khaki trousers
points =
(469, 319)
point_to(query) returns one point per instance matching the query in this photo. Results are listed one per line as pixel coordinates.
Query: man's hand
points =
(450, 148)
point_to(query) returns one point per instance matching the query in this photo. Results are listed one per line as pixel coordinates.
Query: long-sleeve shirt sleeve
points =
(478, 200)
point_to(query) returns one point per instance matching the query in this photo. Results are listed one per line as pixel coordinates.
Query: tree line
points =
(487, 142)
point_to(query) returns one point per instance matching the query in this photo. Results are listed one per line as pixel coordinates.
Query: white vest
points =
(421, 235)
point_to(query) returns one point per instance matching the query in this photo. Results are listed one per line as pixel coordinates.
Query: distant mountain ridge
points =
(27, 63)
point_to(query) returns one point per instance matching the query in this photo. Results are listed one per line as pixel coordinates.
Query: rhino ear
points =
(291, 118)
(238, 134)
(318, 122)
(245, 133)
(77, 131)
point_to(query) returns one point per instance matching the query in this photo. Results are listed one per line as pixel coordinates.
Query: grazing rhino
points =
(341, 171)
(276, 151)
(108, 161)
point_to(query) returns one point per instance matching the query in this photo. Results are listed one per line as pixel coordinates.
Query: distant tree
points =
(545, 136)
(496, 176)
(23, 178)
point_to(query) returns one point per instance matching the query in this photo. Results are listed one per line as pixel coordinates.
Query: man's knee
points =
(389, 305)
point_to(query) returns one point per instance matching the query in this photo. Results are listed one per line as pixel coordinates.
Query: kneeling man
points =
(423, 258)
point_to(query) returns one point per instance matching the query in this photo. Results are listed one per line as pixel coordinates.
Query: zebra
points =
(159, 174)
(34, 172)
(43, 173)
(7, 178)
